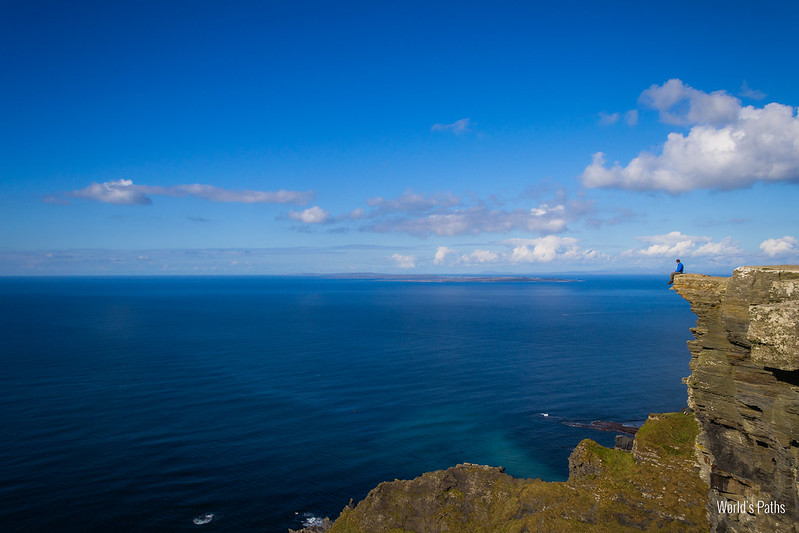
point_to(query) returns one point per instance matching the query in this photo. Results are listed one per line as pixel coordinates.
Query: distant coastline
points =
(432, 278)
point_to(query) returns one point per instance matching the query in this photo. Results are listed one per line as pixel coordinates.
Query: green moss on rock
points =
(656, 488)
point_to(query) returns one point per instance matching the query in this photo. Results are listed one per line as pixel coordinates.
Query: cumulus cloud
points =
(676, 244)
(728, 146)
(782, 246)
(312, 215)
(125, 192)
(549, 248)
(680, 104)
(404, 261)
(717, 249)
(458, 127)
(441, 255)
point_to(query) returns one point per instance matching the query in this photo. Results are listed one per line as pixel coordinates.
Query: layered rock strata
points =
(744, 390)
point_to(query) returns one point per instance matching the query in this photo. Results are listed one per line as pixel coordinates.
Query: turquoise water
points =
(140, 404)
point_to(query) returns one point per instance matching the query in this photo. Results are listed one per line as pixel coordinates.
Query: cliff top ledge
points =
(759, 307)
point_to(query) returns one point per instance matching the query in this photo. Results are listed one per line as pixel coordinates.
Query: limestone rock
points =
(744, 388)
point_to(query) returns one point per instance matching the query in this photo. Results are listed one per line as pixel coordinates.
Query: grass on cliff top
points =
(625, 496)
(673, 435)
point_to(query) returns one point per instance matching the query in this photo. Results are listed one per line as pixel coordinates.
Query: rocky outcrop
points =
(744, 389)
(655, 488)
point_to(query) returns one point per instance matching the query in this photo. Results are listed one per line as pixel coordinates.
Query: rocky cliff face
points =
(744, 390)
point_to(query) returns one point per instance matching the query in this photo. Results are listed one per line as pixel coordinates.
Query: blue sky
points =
(416, 137)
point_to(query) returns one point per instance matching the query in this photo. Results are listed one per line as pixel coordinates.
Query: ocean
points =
(262, 403)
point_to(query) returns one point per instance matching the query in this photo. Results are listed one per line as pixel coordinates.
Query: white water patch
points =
(310, 520)
(203, 519)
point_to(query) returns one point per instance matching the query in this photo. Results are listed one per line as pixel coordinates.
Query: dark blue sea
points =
(140, 404)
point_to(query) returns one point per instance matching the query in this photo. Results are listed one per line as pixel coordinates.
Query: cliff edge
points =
(744, 390)
(656, 487)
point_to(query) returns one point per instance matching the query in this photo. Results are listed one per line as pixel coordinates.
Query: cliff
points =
(744, 390)
(654, 488)
(730, 464)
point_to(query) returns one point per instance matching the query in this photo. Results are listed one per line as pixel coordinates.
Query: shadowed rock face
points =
(744, 389)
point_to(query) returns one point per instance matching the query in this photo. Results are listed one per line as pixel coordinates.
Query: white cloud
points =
(676, 244)
(120, 192)
(444, 217)
(728, 146)
(717, 249)
(549, 248)
(125, 192)
(443, 214)
(441, 255)
(216, 194)
(479, 256)
(476, 220)
(782, 246)
(458, 127)
(404, 261)
(680, 104)
(410, 202)
(673, 243)
(514, 251)
(312, 215)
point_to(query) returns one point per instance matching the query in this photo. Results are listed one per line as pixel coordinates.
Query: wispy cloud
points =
(728, 146)
(445, 214)
(748, 92)
(125, 192)
(458, 127)
(608, 119)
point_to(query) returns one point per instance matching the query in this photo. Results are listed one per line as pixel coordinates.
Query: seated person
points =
(677, 271)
